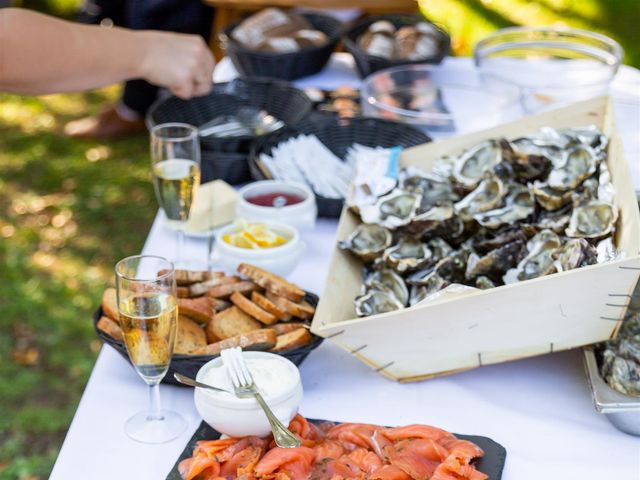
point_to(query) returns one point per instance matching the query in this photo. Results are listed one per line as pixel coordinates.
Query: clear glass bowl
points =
(551, 66)
(437, 100)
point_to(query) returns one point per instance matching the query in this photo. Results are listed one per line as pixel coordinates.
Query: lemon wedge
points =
(253, 236)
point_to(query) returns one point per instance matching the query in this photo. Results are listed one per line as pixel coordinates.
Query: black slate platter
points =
(491, 464)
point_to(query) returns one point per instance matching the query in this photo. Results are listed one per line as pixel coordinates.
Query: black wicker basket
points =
(190, 364)
(368, 64)
(226, 158)
(338, 135)
(286, 66)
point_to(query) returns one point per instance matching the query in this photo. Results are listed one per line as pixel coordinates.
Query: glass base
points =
(161, 428)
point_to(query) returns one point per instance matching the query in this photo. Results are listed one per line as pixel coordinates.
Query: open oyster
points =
(519, 205)
(580, 163)
(539, 260)
(495, 263)
(427, 221)
(386, 280)
(367, 241)
(486, 196)
(594, 220)
(525, 167)
(375, 301)
(472, 165)
(577, 252)
(548, 198)
(407, 255)
(392, 210)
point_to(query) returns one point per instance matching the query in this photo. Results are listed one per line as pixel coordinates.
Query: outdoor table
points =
(539, 409)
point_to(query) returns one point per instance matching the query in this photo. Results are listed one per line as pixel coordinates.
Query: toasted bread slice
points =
(282, 328)
(250, 308)
(198, 289)
(266, 304)
(110, 304)
(183, 292)
(190, 337)
(271, 282)
(264, 339)
(225, 291)
(301, 310)
(232, 322)
(111, 328)
(294, 339)
(219, 304)
(199, 309)
(188, 277)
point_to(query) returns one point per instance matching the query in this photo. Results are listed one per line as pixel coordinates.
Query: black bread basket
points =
(368, 64)
(286, 66)
(226, 158)
(190, 364)
(338, 135)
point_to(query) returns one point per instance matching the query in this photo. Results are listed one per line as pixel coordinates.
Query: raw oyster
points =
(526, 167)
(392, 210)
(577, 252)
(386, 280)
(420, 292)
(425, 222)
(486, 196)
(367, 241)
(472, 165)
(375, 301)
(495, 263)
(407, 255)
(484, 283)
(488, 240)
(580, 163)
(439, 248)
(548, 198)
(519, 205)
(433, 190)
(624, 376)
(590, 136)
(529, 146)
(539, 259)
(594, 220)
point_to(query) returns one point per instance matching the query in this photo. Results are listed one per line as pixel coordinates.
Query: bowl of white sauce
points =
(277, 379)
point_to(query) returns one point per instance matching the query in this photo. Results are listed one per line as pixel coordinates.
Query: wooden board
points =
(556, 312)
(492, 463)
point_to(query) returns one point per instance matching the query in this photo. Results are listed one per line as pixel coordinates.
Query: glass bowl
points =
(437, 100)
(551, 66)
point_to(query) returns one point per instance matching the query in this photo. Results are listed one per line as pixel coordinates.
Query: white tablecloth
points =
(540, 409)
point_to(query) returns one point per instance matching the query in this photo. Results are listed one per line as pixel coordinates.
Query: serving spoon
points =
(194, 383)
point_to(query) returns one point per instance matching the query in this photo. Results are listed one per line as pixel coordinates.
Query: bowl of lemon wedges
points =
(273, 246)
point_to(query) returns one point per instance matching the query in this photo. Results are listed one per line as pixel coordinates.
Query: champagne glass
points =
(175, 160)
(147, 306)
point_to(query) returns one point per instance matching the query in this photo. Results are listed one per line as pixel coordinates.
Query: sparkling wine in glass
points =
(147, 307)
(175, 159)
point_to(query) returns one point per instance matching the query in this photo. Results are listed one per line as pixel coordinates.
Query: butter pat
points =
(215, 205)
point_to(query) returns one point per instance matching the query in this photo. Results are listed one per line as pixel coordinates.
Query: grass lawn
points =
(70, 209)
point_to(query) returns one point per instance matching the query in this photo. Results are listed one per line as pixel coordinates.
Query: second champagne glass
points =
(175, 159)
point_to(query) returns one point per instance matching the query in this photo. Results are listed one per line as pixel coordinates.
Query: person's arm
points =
(41, 54)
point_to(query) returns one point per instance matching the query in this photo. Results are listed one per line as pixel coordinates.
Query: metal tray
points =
(623, 411)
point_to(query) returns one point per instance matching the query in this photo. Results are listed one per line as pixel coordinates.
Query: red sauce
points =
(275, 199)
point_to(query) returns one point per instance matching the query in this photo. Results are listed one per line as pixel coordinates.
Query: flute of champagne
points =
(175, 160)
(147, 307)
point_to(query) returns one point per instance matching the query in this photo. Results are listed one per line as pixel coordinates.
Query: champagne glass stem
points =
(155, 410)
(180, 245)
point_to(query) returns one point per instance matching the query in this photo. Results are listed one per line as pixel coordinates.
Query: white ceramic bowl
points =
(280, 260)
(300, 215)
(239, 417)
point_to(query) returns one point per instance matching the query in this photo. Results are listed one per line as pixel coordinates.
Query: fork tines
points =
(236, 367)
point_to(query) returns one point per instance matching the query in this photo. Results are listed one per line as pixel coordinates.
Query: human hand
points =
(182, 63)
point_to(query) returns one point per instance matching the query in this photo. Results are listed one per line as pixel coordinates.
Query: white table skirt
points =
(540, 409)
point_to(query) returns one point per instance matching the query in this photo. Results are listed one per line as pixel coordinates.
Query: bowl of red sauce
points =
(271, 200)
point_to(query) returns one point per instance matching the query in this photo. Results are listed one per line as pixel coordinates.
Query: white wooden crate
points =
(556, 312)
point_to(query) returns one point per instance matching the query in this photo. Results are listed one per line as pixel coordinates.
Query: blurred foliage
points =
(70, 209)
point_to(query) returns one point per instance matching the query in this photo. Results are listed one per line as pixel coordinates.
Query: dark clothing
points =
(182, 16)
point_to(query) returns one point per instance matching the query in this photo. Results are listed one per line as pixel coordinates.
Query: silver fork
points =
(244, 387)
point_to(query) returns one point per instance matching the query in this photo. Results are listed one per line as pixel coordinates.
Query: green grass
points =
(70, 209)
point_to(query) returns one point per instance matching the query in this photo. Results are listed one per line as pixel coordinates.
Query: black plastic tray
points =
(190, 364)
(491, 464)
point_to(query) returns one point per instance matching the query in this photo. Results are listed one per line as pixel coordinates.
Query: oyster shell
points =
(407, 255)
(526, 167)
(484, 283)
(427, 221)
(579, 164)
(488, 240)
(375, 301)
(439, 248)
(624, 376)
(473, 164)
(386, 280)
(368, 241)
(420, 292)
(495, 263)
(486, 196)
(593, 220)
(433, 190)
(519, 205)
(548, 198)
(574, 253)
(539, 260)
(392, 210)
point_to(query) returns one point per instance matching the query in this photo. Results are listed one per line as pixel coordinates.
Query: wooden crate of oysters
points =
(492, 246)
(255, 310)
